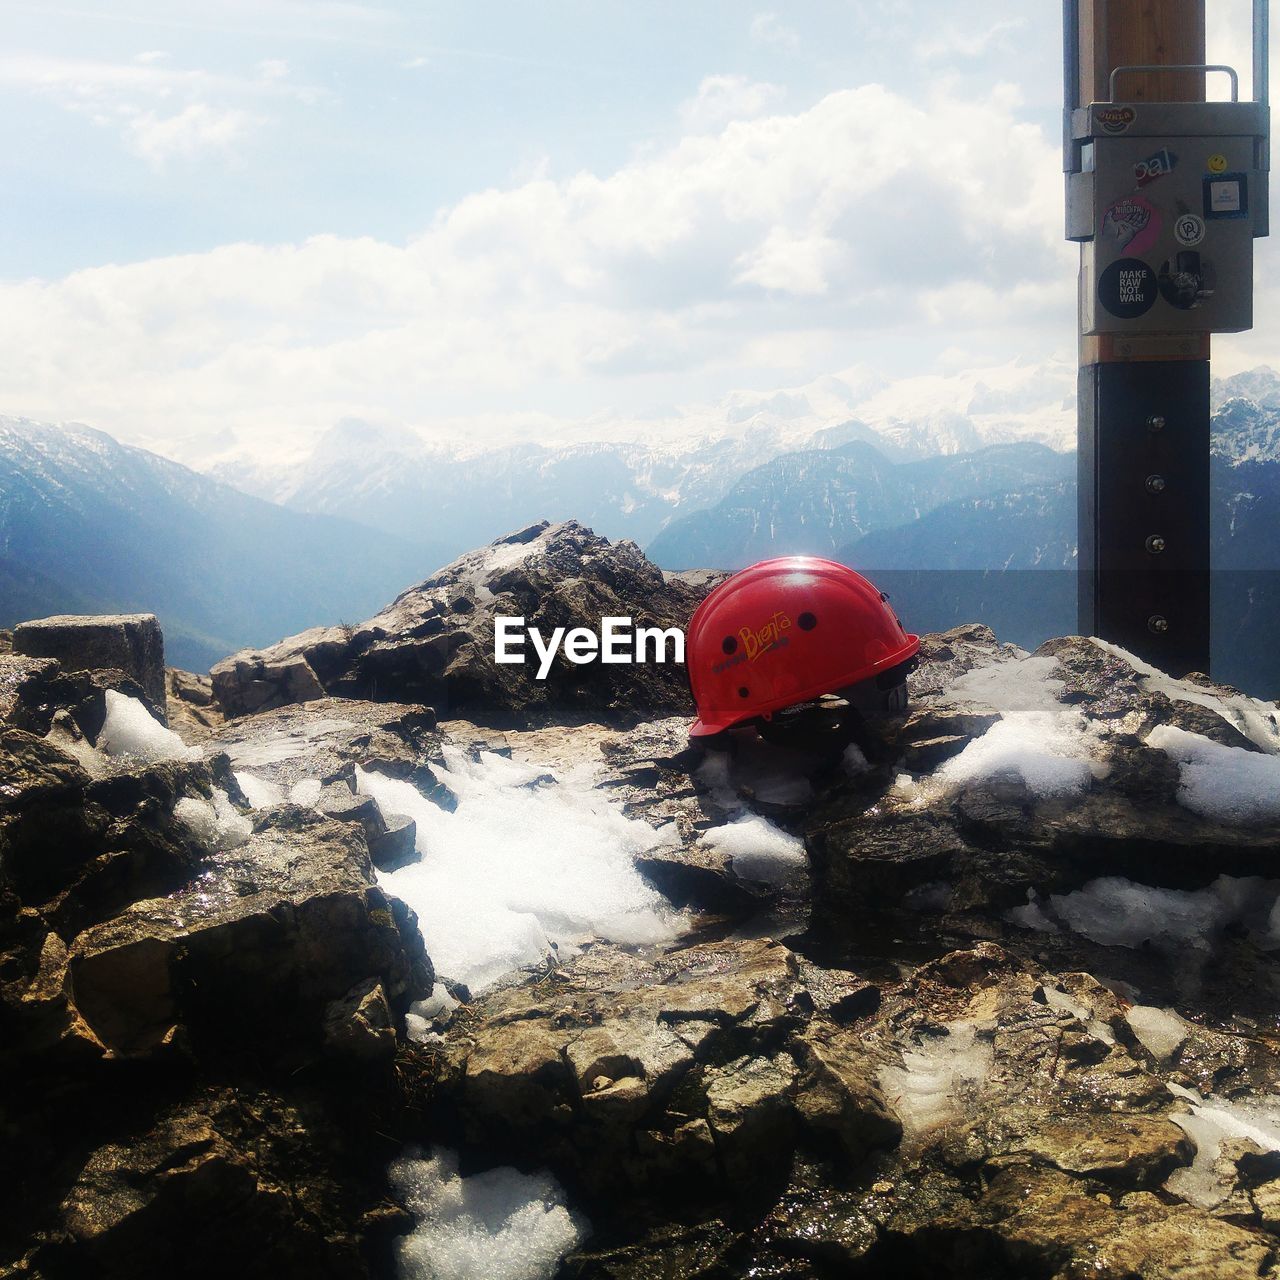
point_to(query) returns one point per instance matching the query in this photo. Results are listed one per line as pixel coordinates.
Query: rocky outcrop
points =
(994, 998)
(128, 642)
(178, 979)
(1076, 792)
(435, 643)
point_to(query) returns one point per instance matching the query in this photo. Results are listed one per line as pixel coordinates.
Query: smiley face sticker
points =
(1217, 163)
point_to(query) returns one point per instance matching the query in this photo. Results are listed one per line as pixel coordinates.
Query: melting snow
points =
(1160, 1031)
(498, 1225)
(759, 850)
(1209, 1124)
(1046, 743)
(217, 826)
(1258, 721)
(437, 1007)
(519, 869)
(1227, 784)
(937, 1081)
(131, 730)
(260, 793)
(1118, 912)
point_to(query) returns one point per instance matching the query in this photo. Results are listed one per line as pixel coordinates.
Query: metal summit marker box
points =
(1167, 199)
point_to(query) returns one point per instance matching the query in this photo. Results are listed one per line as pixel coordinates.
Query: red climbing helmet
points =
(788, 631)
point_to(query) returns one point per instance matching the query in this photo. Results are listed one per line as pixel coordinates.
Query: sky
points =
(229, 226)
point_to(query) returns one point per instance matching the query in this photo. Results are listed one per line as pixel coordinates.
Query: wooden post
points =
(1144, 407)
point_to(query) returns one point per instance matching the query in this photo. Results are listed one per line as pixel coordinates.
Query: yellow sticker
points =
(1217, 164)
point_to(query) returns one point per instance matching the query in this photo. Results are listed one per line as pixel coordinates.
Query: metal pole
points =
(1143, 460)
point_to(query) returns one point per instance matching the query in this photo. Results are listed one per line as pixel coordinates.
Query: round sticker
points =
(1188, 229)
(1218, 164)
(1186, 280)
(1127, 288)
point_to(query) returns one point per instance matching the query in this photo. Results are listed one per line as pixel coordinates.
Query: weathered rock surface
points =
(991, 840)
(435, 643)
(892, 1060)
(146, 926)
(129, 642)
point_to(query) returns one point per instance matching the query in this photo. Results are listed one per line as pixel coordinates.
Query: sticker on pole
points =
(1188, 229)
(1155, 166)
(1115, 119)
(1132, 224)
(1127, 288)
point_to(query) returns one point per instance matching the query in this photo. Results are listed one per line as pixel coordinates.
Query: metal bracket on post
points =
(1117, 72)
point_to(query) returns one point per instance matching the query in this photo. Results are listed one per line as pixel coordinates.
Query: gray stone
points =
(129, 642)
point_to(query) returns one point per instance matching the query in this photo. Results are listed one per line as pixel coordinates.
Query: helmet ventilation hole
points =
(744, 692)
(807, 621)
(730, 644)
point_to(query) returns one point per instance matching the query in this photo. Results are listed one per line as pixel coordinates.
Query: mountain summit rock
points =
(435, 642)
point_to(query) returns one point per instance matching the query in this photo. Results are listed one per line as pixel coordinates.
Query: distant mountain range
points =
(637, 477)
(821, 501)
(88, 525)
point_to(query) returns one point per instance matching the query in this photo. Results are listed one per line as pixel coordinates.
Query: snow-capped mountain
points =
(630, 478)
(819, 501)
(89, 525)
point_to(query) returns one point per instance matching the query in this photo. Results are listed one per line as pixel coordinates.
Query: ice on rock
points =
(1042, 741)
(217, 826)
(1227, 784)
(1114, 911)
(1258, 721)
(306, 792)
(131, 730)
(520, 868)
(498, 1225)
(936, 1083)
(1059, 1000)
(423, 1014)
(260, 793)
(1210, 1122)
(1160, 1031)
(758, 849)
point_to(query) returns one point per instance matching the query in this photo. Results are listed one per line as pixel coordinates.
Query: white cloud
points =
(769, 29)
(842, 232)
(723, 98)
(192, 130)
(160, 112)
(955, 41)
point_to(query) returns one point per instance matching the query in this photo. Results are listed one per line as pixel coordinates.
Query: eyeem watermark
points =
(617, 641)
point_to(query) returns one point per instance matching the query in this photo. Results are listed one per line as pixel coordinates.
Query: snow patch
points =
(306, 792)
(1209, 1124)
(498, 1225)
(131, 730)
(521, 868)
(217, 826)
(260, 793)
(1227, 784)
(758, 849)
(1046, 743)
(438, 1007)
(1117, 912)
(1059, 1000)
(1258, 721)
(1160, 1031)
(935, 1083)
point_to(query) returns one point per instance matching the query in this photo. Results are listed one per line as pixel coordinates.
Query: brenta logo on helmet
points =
(618, 641)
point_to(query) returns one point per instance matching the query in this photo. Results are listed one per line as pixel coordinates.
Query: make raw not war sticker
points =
(1127, 288)
(1132, 224)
